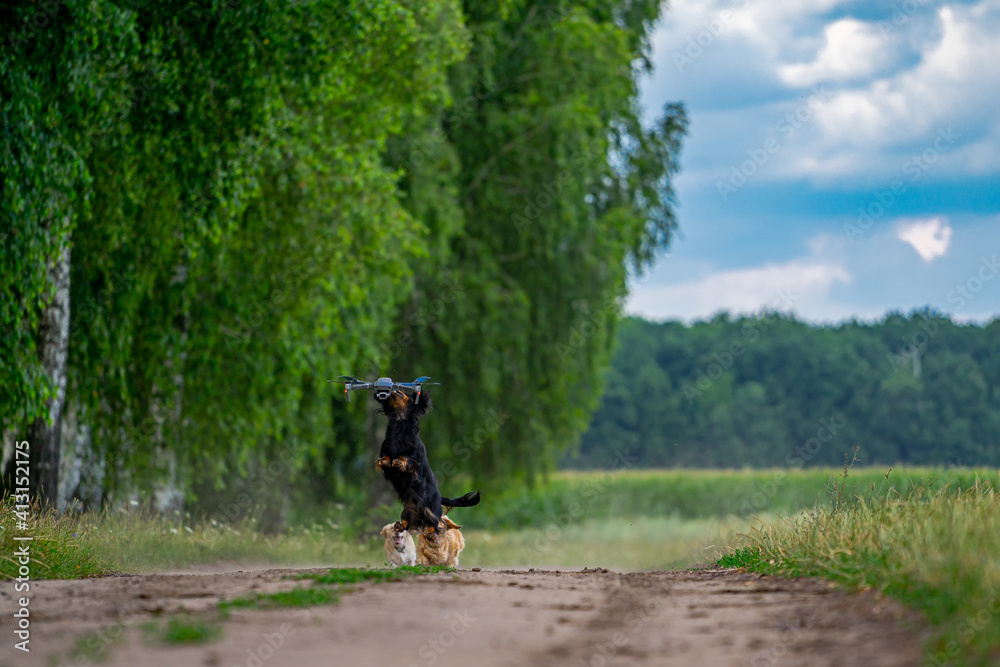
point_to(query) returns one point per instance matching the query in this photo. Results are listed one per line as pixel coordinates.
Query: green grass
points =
(297, 597)
(188, 630)
(354, 575)
(740, 557)
(56, 552)
(327, 587)
(936, 551)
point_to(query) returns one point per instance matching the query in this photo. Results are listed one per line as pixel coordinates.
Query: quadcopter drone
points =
(383, 387)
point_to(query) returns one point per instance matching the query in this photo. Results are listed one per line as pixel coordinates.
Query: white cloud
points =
(798, 285)
(956, 83)
(930, 238)
(945, 87)
(748, 56)
(853, 49)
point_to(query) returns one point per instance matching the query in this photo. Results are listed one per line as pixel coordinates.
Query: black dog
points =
(403, 462)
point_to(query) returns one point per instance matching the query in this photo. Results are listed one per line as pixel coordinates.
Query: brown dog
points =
(441, 546)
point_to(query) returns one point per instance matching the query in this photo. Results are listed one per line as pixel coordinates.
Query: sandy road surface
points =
(477, 619)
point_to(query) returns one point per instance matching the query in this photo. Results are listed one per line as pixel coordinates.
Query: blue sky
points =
(843, 158)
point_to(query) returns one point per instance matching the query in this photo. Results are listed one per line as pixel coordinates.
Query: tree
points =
(562, 192)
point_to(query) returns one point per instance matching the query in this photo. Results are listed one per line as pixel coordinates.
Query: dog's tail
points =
(468, 500)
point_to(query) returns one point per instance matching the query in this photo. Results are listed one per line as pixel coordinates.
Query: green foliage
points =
(772, 391)
(935, 551)
(262, 196)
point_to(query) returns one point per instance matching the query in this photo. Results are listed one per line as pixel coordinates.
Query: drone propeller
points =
(417, 385)
(352, 383)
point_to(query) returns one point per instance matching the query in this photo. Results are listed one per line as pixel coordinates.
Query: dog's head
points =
(434, 536)
(394, 534)
(401, 405)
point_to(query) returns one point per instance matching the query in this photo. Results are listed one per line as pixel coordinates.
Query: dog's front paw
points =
(382, 463)
(403, 464)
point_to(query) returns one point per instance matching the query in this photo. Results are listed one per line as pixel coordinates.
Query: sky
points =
(842, 161)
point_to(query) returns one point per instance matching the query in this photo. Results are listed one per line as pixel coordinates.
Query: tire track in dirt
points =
(587, 618)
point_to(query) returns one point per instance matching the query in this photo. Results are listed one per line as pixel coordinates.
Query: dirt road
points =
(472, 619)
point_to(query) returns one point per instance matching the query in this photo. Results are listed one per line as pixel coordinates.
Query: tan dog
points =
(442, 546)
(399, 548)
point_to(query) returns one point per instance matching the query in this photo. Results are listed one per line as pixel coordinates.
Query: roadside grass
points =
(139, 541)
(934, 550)
(79, 545)
(56, 551)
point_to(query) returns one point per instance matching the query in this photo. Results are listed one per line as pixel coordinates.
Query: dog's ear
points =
(448, 523)
(385, 530)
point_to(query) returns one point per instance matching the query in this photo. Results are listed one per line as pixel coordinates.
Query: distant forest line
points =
(770, 390)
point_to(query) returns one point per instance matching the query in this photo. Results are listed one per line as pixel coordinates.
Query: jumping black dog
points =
(403, 462)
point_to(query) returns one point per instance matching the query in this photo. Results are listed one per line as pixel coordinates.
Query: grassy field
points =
(702, 494)
(632, 520)
(936, 551)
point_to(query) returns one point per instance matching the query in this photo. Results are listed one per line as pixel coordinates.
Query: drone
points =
(383, 387)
